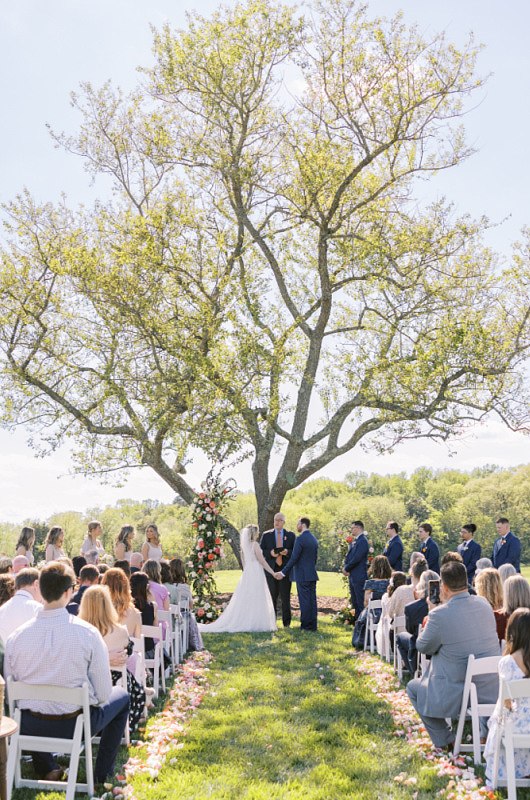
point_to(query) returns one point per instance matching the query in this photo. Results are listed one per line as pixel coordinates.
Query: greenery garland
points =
(207, 507)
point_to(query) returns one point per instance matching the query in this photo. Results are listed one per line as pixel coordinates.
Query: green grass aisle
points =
(289, 716)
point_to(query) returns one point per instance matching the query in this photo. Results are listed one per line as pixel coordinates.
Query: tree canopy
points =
(264, 280)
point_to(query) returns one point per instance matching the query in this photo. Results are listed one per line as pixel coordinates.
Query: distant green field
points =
(329, 585)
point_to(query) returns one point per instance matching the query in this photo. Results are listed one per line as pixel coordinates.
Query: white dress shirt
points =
(20, 609)
(60, 649)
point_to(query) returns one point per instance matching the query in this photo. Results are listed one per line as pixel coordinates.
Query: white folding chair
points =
(79, 743)
(471, 708)
(176, 619)
(423, 663)
(166, 617)
(511, 690)
(371, 624)
(139, 660)
(385, 637)
(184, 606)
(156, 664)
(398, 625)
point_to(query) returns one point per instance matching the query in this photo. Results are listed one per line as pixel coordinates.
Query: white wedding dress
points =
(250, 608)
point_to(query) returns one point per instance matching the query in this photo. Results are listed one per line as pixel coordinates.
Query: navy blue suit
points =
(470, 552)
(406, 642)
(394, 552)
(508, 553)
(356, 567)
(304, 561)
(431, 553)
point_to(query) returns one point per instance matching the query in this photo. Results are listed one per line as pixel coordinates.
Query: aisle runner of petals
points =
(167, 727)
(464, 784)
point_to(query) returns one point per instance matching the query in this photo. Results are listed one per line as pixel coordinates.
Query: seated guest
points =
(24, 546)
(415, 613)
(19, 562)
(483, 563)
(516, 593)
(383, 626)
(7, 588)
(165, 575)
(123, 565)
(55, 648)
(136, 562)
(437, 695)
(451, 555)
(24, 604)
(97, 609)
(405, 594)
(158, 591)
(488, 585)
(147, 608)
(506, 571)
(102, 568)
(394, 548)
(514, 666)
(377, 584)
(54, 544)
(469, 549)
(88, 576)
(77, 563)
(178, 574)
(120, 594)
(6, 566)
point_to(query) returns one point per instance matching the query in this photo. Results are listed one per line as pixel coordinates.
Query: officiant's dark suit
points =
(278, 537)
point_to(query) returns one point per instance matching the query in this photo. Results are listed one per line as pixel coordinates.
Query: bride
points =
(250, 608)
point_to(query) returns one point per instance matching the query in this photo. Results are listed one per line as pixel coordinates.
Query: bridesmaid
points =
(123, 546)
(25, 543)
(91, 542)
(151, 550)
(54, 544)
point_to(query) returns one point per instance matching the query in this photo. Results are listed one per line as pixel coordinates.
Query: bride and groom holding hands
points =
(268, 565)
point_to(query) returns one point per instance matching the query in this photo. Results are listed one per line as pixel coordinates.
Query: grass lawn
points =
(272, 728)
(330, 584)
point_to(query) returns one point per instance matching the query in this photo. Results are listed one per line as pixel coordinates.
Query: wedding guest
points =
(180, 580)
(120, 594)
(415, 613)
(25, 544)
(507, 548)
(91, 543)
(506, 571)
(469, 549)
(54, 544)
(96, 608)
(6, 566)
(437, 695)
(123, 565)
(489, 585)
(19, 563)
(516, 593)
(89, 576)
(513, 666)
(429, 548)
(394, 547)
(7, 588)
(102, 568)
(79, 657)
(78, 562)
(123, 544)
(167, 581)
(136, 562)
(397, 580)
(483, 563)
(377, 584)
(277, 547)
(24, 604)
(158, 591)
(405, 594)
(151, 550)
(148, 609)
(356, 566)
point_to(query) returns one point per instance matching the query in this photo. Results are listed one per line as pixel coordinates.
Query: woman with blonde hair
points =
(156, 587)
(116, 581)
(489, 585)
(123, 544)
(54, 544)
(25, 543)
(151, 550)
(97, 609)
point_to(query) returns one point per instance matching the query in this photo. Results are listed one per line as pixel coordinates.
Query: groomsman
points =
(394, 548)
(507, 548)
(429, 548)
(355, 566)
(277, 547)
(470, 550)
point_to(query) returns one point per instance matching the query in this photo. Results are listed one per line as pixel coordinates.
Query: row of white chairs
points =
(170, 635)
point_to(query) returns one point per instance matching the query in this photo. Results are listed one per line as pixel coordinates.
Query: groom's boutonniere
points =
(503, 541)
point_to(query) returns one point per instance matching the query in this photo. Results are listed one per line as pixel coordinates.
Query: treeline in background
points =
(447, 499)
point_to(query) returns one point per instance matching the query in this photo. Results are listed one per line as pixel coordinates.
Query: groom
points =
(277, 547)
(304, 560)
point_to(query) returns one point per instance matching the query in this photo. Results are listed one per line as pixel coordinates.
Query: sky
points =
(48, 49)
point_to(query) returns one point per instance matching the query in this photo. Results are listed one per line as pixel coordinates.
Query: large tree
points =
(265, 280)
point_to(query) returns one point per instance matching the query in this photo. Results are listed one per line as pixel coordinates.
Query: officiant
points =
(277, 547)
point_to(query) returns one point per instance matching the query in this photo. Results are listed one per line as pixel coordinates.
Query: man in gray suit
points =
(462, 625)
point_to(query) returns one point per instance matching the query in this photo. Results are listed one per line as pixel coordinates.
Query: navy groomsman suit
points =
(304, 561)
(507, 550)
(431, 553)
(470, 552)
(394, 552)
(356, 567)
